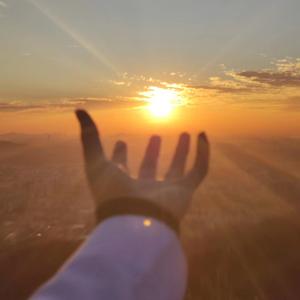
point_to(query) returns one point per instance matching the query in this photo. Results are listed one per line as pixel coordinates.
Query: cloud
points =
(3, 4)
(279, 79)
(116, 82)
(233, 83)
(285, 75)
(65, 105)
(277, 88)
(17, 106)
(222, 89)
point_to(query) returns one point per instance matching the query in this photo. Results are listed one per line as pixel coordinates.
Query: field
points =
(241, 234)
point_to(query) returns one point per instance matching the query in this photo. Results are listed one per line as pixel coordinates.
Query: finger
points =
(92, 147)
(178, 163)
(119, 155)
(149, 164)
(200, 168)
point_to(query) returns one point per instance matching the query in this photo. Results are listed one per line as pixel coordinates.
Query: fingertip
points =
(203, 137)
(156, 137)
(155, 140)
(183, 143)
(203, 149)
(184, 136)
(80, 113)
(154, 144)
(121, 144)
(84, 118)
(119, 155)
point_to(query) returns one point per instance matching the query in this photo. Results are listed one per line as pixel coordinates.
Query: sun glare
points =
(161, 101)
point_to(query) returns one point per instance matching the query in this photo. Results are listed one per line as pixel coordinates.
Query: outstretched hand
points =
(109, 179)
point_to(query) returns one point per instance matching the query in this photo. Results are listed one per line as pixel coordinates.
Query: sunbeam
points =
(75, 36)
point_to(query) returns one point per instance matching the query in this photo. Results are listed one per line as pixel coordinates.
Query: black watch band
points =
(136, 206)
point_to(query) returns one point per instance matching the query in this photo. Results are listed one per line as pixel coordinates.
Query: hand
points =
(109, 179)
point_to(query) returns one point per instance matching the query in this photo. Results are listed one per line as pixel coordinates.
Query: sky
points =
(227, 67)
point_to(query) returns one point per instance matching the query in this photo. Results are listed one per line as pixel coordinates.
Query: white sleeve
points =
(126, 257)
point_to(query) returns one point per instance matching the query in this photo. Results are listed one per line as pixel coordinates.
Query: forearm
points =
(126, 257)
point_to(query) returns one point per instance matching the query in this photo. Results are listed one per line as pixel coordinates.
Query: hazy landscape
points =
(241, 235)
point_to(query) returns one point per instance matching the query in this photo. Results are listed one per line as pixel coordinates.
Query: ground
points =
(241, 234)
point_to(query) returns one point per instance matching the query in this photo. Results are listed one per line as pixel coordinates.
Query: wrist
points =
(135, 206)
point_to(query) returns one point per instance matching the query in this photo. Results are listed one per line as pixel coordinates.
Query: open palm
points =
(110, 179)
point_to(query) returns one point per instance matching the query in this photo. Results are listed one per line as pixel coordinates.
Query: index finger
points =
(91, 143)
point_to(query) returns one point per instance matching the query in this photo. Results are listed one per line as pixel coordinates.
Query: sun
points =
(162, 101)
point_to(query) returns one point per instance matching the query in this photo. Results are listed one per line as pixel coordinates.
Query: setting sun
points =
(161, 101)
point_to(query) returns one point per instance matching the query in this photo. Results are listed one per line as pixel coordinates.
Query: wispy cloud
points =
(117, 82)
(65, 105)
(273, 78)
(275, 88)
(285, 74)
(14, 106)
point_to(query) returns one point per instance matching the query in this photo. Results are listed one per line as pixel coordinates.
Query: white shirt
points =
(126, 257)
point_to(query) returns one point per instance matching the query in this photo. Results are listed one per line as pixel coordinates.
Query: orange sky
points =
(222, 121)
(233, 66)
